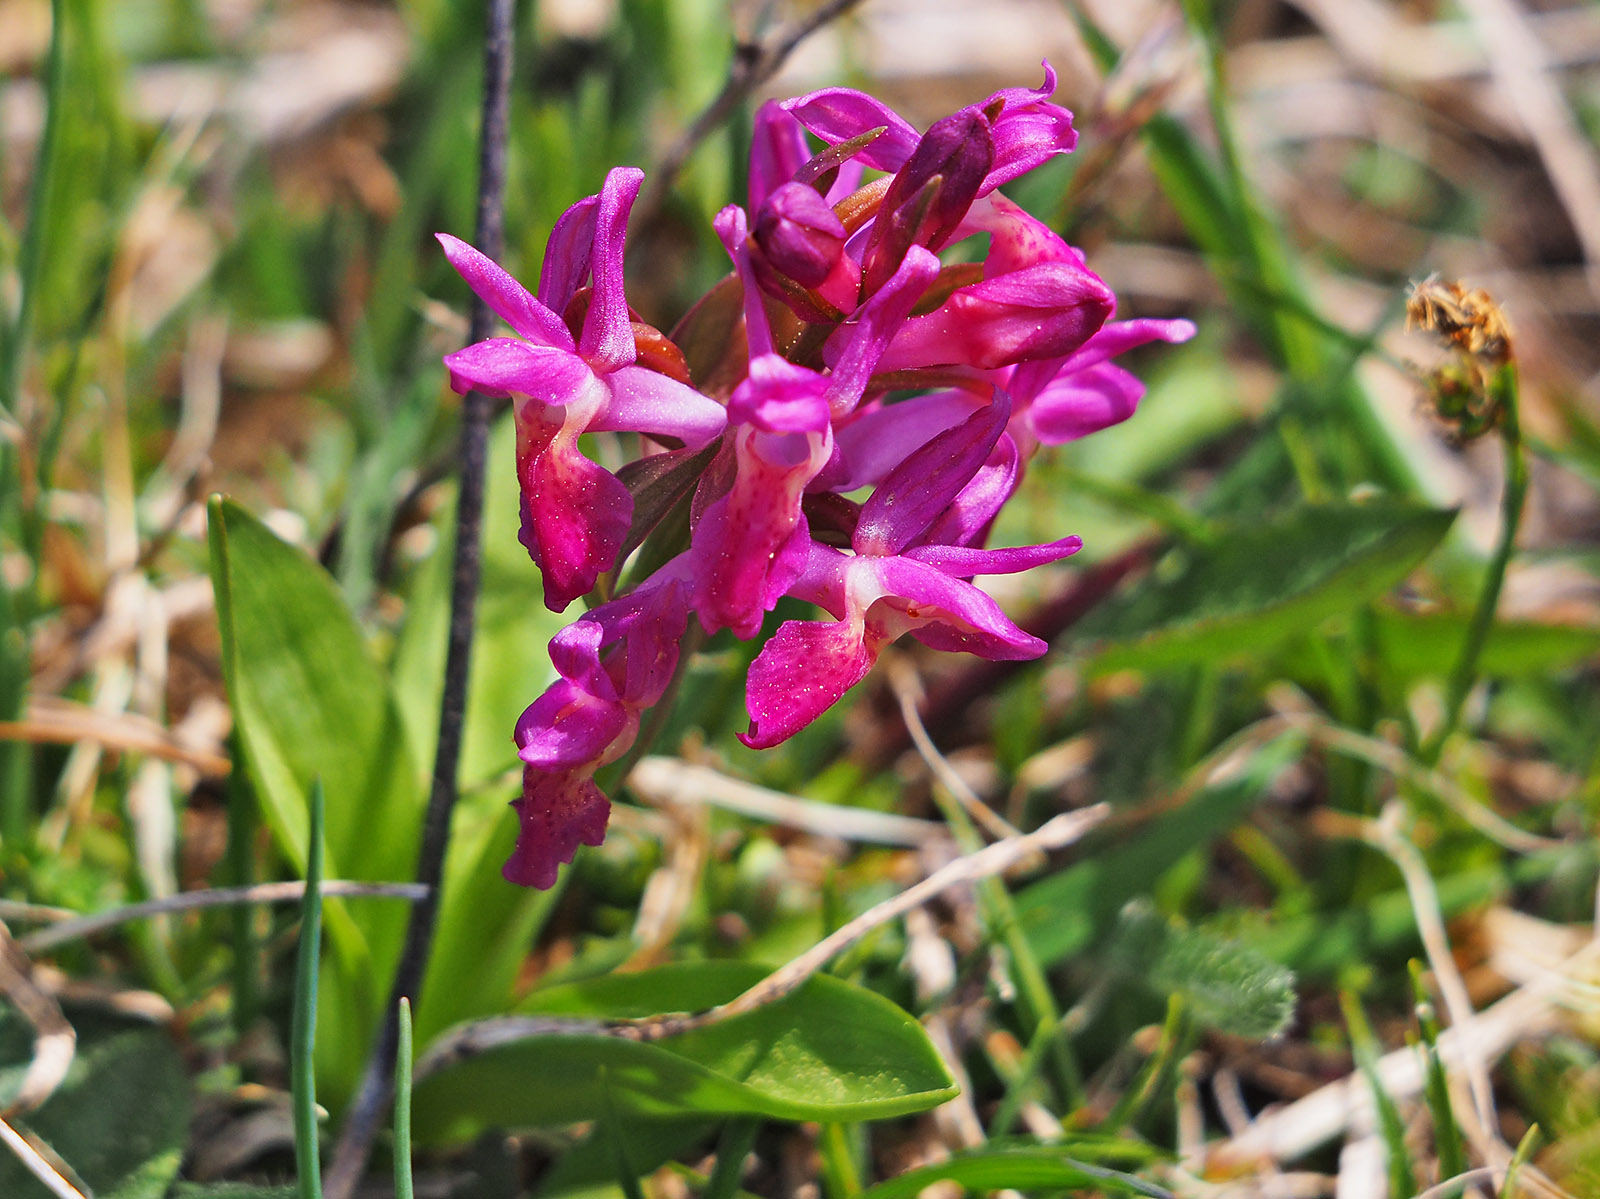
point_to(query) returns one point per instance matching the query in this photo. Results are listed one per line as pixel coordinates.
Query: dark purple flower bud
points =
(799, 234)
(957, 152)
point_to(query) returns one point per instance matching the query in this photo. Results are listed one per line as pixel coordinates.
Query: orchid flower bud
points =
(799, 234)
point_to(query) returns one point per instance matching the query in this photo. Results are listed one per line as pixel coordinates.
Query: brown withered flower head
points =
(1469, 322)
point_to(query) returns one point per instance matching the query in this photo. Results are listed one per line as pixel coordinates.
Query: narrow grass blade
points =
(31, 260)
(622, 1160)
(1402, 1179)
(303, 1031)
(1159, 1073)
(1436, 1087)
(1525, 1149)
(402, 1105)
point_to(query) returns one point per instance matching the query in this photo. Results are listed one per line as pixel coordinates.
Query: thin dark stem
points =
(753, 64)
(377, 1086)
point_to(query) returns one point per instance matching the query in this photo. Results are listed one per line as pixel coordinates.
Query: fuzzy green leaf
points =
(1225, 985)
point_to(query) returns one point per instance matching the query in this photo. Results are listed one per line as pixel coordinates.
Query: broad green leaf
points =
(1026, 1170)
(120, 1119)
(310, 703)
(1065, 913)
(1262, 583)
(829, 1051)
(1225, 985)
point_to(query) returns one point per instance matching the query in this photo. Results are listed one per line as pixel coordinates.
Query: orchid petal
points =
(567, 255)
(1118, 337)
(645, 401)
(780, 397)
(1042, 311)
(575, 653)
(861, 343)
(837, 114)
(505, 366)
(1084, 402)
(607, 338)
(876, 441)
(651, 622)
(1017, 238)
(1028, 131)
(777, 150)
(947, 612)
(799, 674)
(968, 518)
(800, 234)
(507, 298)
(930, 195)
(964, 561)
(566, 727)
(733, 227)
(576, 516)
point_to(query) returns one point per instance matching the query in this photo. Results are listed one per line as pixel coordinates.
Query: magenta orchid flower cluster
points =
(772, 409)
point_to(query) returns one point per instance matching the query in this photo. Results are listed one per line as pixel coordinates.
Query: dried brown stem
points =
(79, 927)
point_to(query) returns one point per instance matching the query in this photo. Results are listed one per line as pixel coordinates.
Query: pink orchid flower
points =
(575, 514)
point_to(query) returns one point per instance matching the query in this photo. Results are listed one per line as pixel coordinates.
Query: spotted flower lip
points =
(575, 514)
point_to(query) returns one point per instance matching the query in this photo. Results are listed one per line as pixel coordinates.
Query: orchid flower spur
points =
(839, 422)
(574, 513)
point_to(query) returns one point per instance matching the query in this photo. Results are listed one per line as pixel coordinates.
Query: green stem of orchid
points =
(1503, 394)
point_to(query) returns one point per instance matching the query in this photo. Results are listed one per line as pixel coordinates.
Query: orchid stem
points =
(377, 1085)
(1503, 393)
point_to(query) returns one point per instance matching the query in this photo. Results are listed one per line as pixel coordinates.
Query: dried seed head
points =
(1468, 319)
